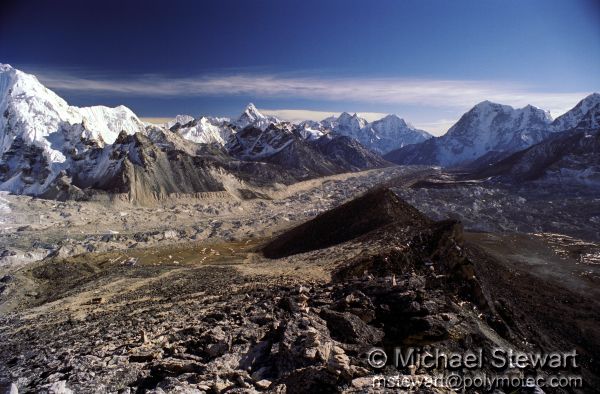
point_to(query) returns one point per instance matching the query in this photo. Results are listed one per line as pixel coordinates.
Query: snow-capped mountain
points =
(209, 130)
(392, 132)
(51, 149)
(488, 129)
(205, 130)
(48, 132)
(254, 143)
(311, 130)
(284, 146)
(591, 120)
(571, 157)
(181, 119)
(381, 136)
(348, 125)
(252, 117)
(147, 167)
(571, 118)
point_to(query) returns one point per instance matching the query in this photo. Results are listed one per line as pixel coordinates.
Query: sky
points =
(427, 61)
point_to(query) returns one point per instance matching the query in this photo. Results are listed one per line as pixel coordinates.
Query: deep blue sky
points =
(546, 51)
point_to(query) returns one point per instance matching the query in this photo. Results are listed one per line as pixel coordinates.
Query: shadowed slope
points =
(567, 157)
(348, 221)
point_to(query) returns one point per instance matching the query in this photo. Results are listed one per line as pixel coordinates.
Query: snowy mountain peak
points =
(204, 130)
(34, 111)
(486, 129)
(484, 116)
(589, 101)
(15, 83)
(346, 117)
(395, 120)
(349, 123)
(591, 120)
(572, 117)
(208, 130)
(252, 117)
(311, 130)
(181, 119)
(489, 106)
(381, 136)
(592, 98)
(8, 73)
(484, 103)
(252, 111)
(39, 130)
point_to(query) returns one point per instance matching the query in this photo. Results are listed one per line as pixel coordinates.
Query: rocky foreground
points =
(296, 313)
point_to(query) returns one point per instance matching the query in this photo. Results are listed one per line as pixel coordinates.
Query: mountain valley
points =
(253, 254)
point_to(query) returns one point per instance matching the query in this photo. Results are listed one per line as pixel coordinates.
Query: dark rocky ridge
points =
(283, 146)
(348, 221)
(34, 166)
(570, 157)
(346, 152)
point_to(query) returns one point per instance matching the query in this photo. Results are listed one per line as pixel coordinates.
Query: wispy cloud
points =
(390, 91)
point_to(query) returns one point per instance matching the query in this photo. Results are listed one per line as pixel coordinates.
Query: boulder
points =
(349, 328)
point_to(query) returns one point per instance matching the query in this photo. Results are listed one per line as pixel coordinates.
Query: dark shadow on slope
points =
(348, 221)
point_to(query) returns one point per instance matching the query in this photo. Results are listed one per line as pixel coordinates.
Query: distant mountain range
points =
(51, 149)
(567, 157)
(490, 132)
(380, 136)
